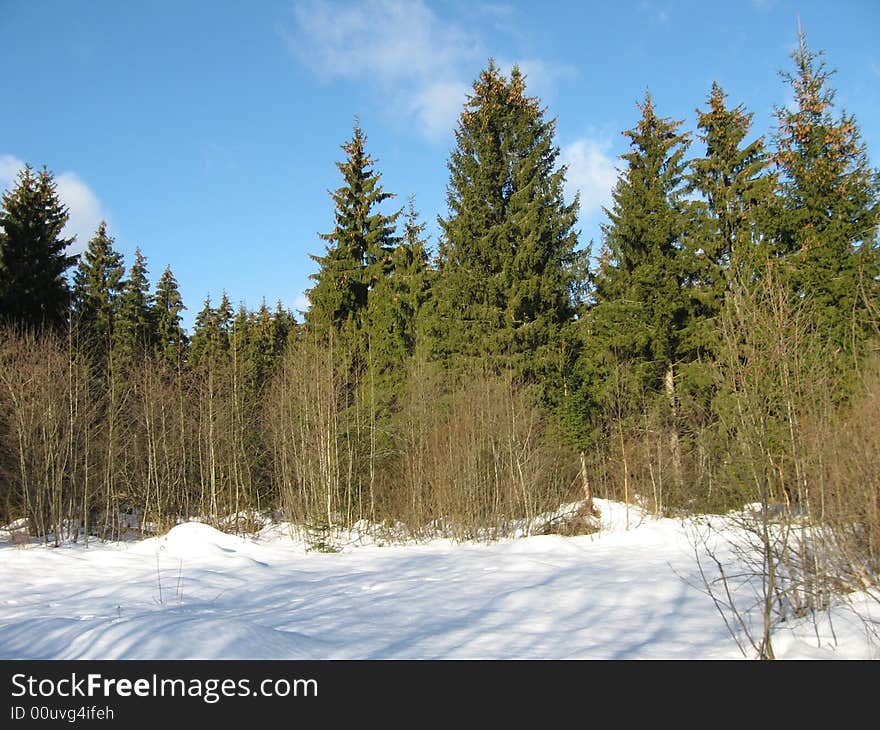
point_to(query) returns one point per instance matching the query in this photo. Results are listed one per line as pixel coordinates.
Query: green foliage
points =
(136, 334)
(97, 285)
(358, 250)
(503, 290)
(33, 260)
(727, 245)
(257, 342)
(210, 340)
(394, 305)
(831, 205)
(640, 309)
(737, 203)
(286, 329)
(319, 537)
(171, 342)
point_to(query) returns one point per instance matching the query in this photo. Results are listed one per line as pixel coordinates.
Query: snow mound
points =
(194, 540)
(191, 534)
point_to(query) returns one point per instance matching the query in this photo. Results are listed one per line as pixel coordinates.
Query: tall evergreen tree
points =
(244, 350)
(97, 286)
(502, 293)
(33, 260)
(135, 326)
(412, 276)
(285, 328)
(640, 308)
(358, 248)
(257, 340)
(831, 202)
(261, 348)
(729, 237)
(171, 341)
(395, 303)
(210, 340)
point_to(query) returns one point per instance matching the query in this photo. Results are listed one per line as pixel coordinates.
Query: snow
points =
(198, 593)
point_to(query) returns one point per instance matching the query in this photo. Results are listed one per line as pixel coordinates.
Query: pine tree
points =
(502, 294)
(135, 327)
(171, 342)
(97, 286)
(33, 260)
(358, 250)
(831, 203)
(640, 308)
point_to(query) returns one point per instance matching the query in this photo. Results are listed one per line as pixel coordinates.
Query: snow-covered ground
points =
(199, 593)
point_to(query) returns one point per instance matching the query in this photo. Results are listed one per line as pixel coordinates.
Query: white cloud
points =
(302, 303)
(84, 207)
(391, 39)
(82, 203)
(416, 61)
(9, 167)
(591, 171)
(438, 105)
(419, 64)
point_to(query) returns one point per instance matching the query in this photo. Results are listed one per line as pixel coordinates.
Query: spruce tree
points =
(394, 306)
(33, 260)
(171, 342)
(831, 204)
(502, 294)
(244, 352)
(261, 349)
(412, 277)
(210, 341)
(285, 328)
(358, 248)
(97, 286)
(640, 309)
(135, 326)
(728, 243)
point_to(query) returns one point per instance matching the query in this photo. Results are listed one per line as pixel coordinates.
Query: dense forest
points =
(719, 347)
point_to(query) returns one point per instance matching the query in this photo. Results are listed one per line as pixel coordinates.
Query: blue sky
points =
(206, 132)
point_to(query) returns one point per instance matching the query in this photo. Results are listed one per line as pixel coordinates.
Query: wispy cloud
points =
(420, 64)
(403, 49)
(82, 203)
(591, 171)
(393, 39)
(437, 106)
(9, 167)
(85, 209)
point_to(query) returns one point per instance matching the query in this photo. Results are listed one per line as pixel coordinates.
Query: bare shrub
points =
(311, 449)
(794, 444)
(481, 457)
(47, 410)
